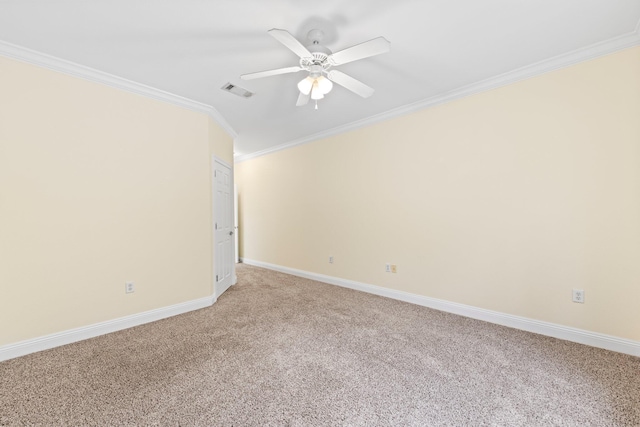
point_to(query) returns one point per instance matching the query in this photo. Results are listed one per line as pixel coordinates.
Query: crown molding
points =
(593, 51)
(76, 70)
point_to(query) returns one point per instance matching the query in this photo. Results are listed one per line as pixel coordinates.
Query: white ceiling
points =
(192, 48)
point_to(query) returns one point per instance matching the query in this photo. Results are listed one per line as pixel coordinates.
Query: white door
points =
(235, 223)
(223, 227)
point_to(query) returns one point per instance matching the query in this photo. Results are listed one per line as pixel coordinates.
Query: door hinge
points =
(216, 277)
(215, 174)
(216, 225)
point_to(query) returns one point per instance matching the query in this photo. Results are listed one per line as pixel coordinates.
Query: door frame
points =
(215, 159)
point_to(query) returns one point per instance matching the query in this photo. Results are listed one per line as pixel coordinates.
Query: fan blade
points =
(355, 86)
(303, 99)
(363, 50)
(268, 73)
(285, 37)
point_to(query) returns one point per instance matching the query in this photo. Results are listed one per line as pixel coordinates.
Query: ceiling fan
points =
(317, 60)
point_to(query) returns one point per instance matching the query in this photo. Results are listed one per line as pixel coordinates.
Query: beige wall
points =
(220, 143)
(505, 200)
(97, 187)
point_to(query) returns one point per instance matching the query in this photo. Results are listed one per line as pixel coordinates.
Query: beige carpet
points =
(280, 350)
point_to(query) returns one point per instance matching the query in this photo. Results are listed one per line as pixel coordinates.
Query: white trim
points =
(567, 333)
(76, 70)
(85, 332)
(224, 124)
(561, 61)
(224, 163)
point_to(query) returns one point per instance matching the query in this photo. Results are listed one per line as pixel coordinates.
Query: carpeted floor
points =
(281, 350)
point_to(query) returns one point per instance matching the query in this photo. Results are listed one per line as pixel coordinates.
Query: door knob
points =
(231, 233)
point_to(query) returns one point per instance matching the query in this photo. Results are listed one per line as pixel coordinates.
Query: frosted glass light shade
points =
(316, 93)
(305, 85)
(324, 84)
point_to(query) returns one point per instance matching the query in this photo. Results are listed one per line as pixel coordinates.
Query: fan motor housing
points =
(318, 59)
(319, 53)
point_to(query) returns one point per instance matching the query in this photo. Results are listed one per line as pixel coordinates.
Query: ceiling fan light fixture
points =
(306, 84)
(316, 93)
(324, 84)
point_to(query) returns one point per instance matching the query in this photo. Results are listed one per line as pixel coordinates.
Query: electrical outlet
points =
(578, 296)
(394, 268)
(387, 268)
(129, 287)
(330, 260)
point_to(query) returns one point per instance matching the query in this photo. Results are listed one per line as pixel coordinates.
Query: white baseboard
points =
(78, 334)
(593, 339)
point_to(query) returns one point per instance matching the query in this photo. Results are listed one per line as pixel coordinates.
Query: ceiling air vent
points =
(237, 90)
